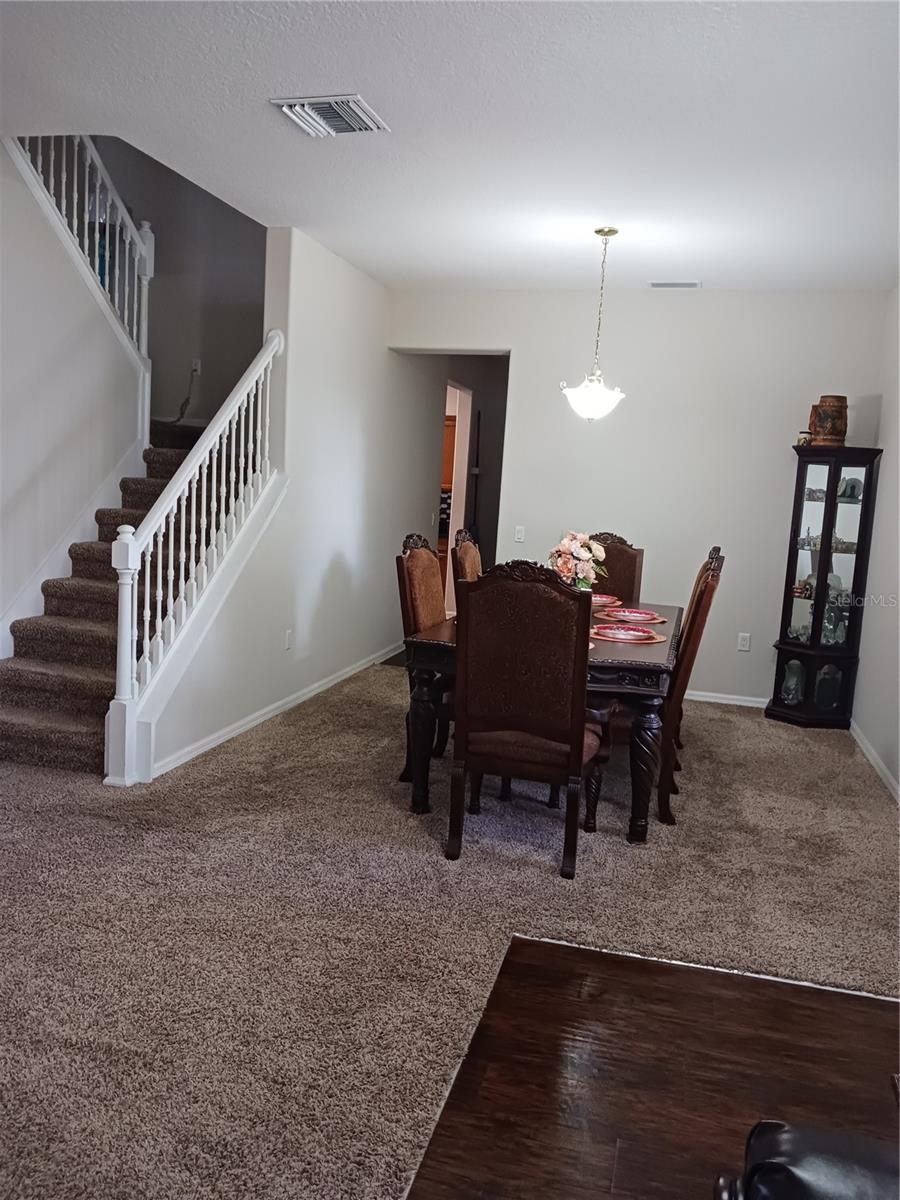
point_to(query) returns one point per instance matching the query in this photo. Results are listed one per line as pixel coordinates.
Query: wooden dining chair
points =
(688, 646)
(465, 557)
(689, 614)
(422, 607)
(624, 564)
(522, 639)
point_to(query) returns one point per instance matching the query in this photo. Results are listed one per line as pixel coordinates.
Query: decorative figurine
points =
(804, 438)
(828, 421)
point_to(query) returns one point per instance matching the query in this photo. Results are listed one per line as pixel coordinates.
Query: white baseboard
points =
(722, 698)
(271, 710)
(876, 760)
(29, 600)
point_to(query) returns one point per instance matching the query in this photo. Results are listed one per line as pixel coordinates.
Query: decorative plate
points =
(603, 601)
(637, 616)
(626, 633)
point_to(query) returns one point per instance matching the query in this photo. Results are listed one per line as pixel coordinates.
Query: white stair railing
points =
(164, 566)
(119, 255)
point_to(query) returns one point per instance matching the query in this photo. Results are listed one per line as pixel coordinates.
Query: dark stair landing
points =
(55, 690)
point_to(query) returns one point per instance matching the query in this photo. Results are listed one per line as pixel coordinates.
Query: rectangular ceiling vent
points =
(326, 116)
(675, 283)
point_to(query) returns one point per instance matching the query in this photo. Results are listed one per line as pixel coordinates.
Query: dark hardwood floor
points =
(594, 1074)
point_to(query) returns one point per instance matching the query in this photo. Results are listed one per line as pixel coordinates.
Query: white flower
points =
(581, 552)
(598, 551)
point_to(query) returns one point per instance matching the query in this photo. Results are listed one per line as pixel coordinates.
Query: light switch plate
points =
(743, 642)
(520, 533)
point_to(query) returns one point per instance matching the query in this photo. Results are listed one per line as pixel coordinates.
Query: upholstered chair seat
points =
(527, 749)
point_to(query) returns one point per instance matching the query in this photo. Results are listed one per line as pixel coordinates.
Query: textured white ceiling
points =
(748, 145)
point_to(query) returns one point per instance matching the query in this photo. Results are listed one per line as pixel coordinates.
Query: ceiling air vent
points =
(325, 116)
(683, 284)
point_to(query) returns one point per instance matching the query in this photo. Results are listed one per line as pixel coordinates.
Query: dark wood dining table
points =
(636, 675)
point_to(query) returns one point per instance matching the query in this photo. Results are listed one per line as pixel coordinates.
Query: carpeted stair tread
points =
(109, 519)
(48, 720)
(163, 461)
(65, 639)
(52, 738)
(140, 491)
(33, 683)
(74, 596)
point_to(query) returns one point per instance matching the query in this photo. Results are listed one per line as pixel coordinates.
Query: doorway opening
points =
(472, 457)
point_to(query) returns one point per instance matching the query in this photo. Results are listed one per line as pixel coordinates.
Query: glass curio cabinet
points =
(825, 586)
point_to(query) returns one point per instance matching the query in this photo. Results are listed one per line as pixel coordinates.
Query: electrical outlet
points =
(288, 638)
(196, 365)
(520, 533)
(743, 641)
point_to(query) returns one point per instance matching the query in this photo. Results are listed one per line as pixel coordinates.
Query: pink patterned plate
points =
(625, 633)
(639, 616)
(603, 601)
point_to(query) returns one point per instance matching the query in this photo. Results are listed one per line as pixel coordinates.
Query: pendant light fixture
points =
(592, 398)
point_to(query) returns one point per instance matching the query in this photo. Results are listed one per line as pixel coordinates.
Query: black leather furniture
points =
(786, 1162)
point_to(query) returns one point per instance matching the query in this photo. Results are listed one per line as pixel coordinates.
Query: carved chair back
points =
(691, 611)
(689, 643)
(521, 658)
(465, 557)
(624, 564)
(421, 589)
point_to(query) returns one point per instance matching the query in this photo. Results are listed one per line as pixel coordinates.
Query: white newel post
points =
(120, 719)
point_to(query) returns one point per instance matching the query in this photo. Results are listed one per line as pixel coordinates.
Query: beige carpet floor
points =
(256, 976)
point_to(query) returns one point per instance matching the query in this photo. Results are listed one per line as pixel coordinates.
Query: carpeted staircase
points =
(55, 690)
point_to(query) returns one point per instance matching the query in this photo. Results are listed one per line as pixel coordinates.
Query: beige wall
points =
(717, 386)
(362, 453)
(68, 389)
(875, 710)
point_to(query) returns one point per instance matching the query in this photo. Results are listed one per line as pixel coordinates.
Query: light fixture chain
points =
(596, 368)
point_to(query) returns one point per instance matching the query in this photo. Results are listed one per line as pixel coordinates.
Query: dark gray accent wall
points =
(208, 291)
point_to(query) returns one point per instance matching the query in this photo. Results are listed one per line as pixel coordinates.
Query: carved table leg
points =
(422, 721)
(646, 740)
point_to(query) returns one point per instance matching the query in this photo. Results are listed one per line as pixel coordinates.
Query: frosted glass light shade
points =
(592, 398)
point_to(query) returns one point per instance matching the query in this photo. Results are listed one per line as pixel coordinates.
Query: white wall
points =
(208, 289)
(717, 386)
(362, 453)
(68, 389)
(875, 710)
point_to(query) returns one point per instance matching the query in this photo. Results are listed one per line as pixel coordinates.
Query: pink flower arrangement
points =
(578, 560)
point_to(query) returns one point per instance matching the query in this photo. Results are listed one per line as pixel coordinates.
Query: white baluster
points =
(202, 571)
(169, 621)
(251, 398)
(116, 303)
(146, 274)
(52, 187)
(266, 468)
(180, 608)
(222, 536)
(157, 646)
(132, 653)
(64, 144)
(40, 158)
(87, 203)
(241, 479)
(96, 221)
(231, 524)
(212, 553)
(75, 143)
(191, 597)
(134, 291)
(145, 669)
(257, 474)
(125, 570)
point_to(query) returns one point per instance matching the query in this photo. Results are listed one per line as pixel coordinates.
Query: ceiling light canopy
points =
(592, 399)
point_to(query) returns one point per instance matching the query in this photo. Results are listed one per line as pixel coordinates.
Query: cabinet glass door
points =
(808, 550)
(839, 607)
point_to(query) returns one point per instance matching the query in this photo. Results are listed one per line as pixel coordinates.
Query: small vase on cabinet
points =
(825, 586)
